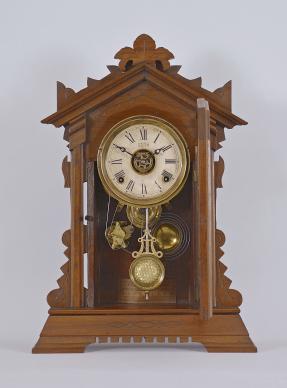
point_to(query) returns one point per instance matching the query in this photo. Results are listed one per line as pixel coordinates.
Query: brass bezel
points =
(109, 185)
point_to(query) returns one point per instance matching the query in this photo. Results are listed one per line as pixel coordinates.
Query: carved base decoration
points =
(68, 332)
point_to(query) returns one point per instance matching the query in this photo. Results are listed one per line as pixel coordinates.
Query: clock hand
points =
(123, 149)
(157, 151)
(164, 148)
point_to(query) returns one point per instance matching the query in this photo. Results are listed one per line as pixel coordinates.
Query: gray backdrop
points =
(46, 41)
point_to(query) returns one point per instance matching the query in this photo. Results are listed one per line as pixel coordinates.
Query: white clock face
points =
(143, 161)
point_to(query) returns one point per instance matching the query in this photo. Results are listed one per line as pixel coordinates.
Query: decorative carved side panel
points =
(226, 297)
(61, 296)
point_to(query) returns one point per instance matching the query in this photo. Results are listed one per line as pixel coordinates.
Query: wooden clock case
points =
(195, 299)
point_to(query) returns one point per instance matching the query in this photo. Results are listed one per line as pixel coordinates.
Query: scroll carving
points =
(173, 69)
(218, 172)
(220, 135)
(144, 50)
(64, 94)
(226, 297)
(195, 82)
(66, 169)
(92, 82)
(114, 69)
(115, 72)
(60, 297)
(224, 95)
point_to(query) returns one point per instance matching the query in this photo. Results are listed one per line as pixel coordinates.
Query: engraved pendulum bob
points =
(147, 271)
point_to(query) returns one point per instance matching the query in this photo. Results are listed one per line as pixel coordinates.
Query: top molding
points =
(143, 62)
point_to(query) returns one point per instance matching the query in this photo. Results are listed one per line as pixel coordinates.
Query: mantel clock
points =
(143, 250)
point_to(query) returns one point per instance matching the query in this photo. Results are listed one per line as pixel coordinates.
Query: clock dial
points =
(143, 161)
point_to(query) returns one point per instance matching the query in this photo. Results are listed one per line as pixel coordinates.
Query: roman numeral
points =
(117, 161)
(144, 190)
(130, 185)
(143, 132)
(170, 161)
(155, 140)
(120, 174)
(166, 147)
(129, 136)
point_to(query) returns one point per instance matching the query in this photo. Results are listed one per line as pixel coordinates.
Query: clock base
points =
(71, 332)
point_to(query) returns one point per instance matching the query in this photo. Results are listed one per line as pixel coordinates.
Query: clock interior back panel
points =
(111, 277)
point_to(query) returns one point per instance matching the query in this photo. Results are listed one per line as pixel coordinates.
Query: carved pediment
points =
(144, 50)
(143, 63)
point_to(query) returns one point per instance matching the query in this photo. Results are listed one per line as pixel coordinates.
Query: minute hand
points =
(123, 149)
(164, 148)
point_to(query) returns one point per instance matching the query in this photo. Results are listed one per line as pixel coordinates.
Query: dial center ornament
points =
(143, 161)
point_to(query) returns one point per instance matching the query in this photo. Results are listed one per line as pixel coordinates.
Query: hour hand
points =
(123, 149)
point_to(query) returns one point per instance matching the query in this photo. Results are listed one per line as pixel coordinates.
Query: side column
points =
(77, 132)
(205, 225)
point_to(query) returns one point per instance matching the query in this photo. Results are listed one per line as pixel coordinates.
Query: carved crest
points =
(144, 50)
